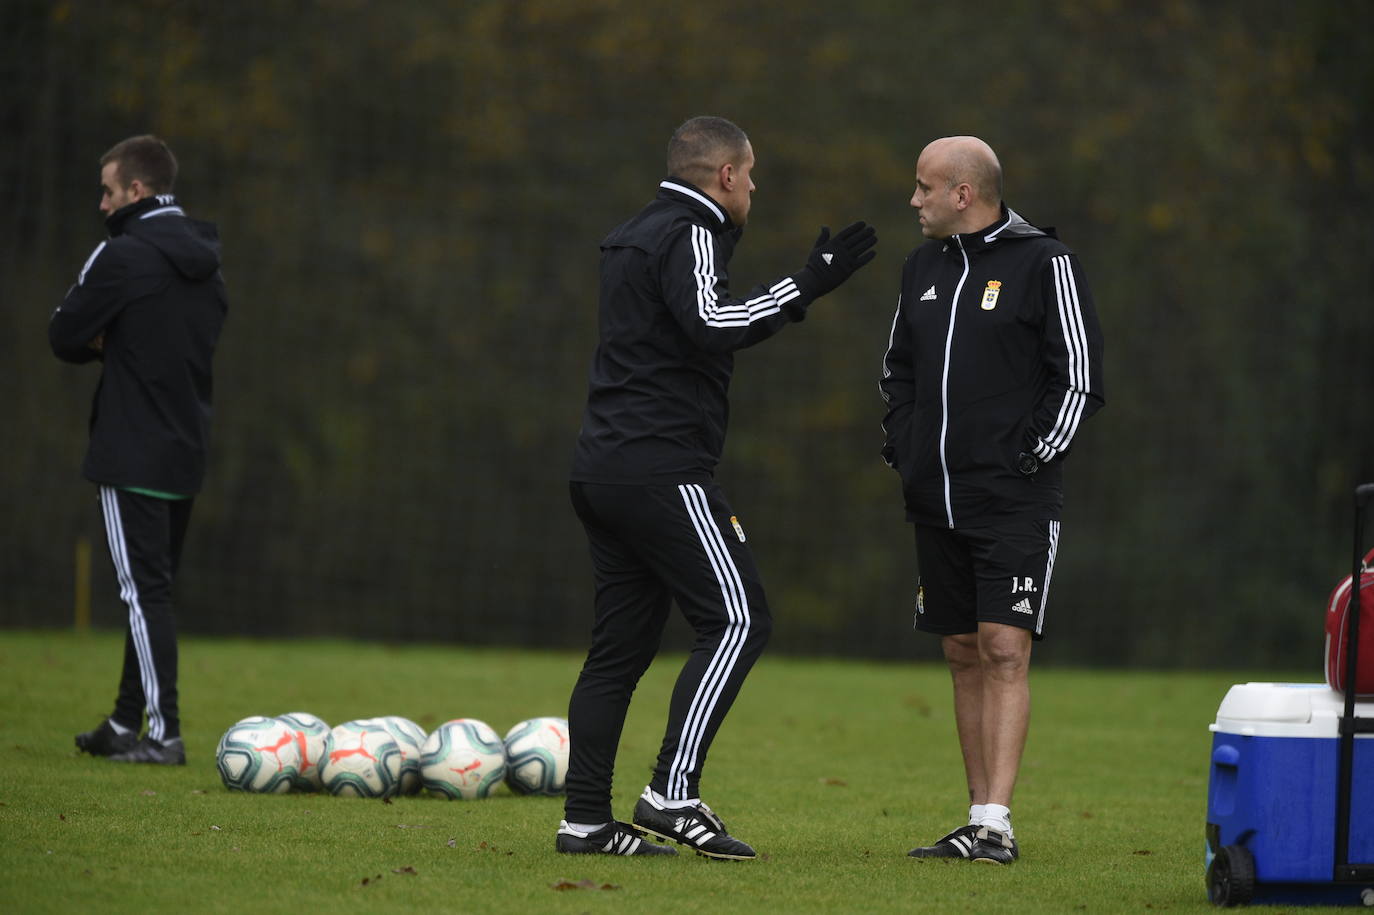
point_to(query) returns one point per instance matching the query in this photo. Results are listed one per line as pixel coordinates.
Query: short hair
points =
(702, 145)
(144, 158)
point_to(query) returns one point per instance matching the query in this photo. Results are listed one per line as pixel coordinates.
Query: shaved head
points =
(968, 160)
(958, 186)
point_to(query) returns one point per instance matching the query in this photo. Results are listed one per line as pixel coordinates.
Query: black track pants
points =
(145, 536)
(652, 545)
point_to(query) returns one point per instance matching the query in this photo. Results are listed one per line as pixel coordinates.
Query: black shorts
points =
(998, 574)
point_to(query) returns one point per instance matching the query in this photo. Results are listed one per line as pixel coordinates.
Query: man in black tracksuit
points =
(149, 303)
(994, 361)
(643, 486)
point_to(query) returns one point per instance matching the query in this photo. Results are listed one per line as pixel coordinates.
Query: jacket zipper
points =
(944, 383)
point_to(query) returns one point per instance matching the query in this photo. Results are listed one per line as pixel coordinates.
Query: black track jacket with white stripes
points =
(155, 292)
(657, 403)
(995, 350)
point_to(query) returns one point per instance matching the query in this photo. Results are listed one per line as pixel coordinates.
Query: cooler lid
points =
(1284, 710)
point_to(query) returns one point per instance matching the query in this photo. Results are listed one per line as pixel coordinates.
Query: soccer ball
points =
(537, 756)
(463, 758)
(309, 734)
(410, 737)
(361, 759)
(258, 754)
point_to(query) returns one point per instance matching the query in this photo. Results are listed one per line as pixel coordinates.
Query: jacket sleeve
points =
(1073, 360)
(694, 284)
(90, 305)
(898, 389)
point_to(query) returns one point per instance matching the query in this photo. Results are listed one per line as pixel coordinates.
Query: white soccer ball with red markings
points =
(361, 759)
(258, 754)
(463, 759)
(309, 733)
(410, 737)
(537, 756)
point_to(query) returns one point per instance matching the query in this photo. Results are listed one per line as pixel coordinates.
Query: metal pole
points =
(1343, 869)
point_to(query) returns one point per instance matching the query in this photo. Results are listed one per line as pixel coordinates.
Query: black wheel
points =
(1231, 877)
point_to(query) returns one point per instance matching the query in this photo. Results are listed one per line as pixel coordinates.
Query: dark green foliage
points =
(411, 199)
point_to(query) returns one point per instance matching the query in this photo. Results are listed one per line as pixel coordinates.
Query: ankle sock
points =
(666, 804)
(997, 817)
(587, 828)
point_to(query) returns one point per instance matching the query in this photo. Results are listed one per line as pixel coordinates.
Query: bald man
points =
(643, 484)
(993, 362)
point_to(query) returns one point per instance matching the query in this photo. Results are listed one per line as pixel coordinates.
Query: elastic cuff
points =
(807, 293)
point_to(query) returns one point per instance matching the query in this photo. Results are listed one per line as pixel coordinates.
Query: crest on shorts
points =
(990, 295)
(739, 530)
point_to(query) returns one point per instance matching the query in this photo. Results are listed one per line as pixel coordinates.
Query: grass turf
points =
(832, 769)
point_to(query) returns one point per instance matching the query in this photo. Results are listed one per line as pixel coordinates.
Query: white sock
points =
(666, 804)
(997, 817)
(976, 813)
(586, 828)
(119, 728)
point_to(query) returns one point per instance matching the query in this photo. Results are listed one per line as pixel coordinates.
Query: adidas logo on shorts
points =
(1022, 606)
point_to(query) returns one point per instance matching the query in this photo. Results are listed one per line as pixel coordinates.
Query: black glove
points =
(834, 260)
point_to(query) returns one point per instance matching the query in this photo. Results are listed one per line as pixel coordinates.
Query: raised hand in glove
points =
(834, 260)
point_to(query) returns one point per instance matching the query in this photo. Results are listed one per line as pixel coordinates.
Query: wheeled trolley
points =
(1290, 799)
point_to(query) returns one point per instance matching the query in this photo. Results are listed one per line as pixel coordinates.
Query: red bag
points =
(1338, 633)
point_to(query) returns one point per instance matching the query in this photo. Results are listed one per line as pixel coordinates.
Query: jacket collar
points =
(147, 208)
(683, 191)
(1009, 224)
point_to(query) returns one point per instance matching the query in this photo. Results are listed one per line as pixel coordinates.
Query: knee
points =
(1005, 658)
(961, 652)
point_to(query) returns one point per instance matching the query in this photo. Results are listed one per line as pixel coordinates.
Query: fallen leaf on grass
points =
(367, 880)
(1142, 851)
(215, 828)
(835, 781)
(409, 871)
(453, 843)
(408, 826)
(61, 816)
(198, 791)
(582, 885)
(148, 792)
(387, 801)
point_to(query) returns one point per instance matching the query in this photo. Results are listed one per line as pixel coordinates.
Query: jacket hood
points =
(191, 245)
(1010, 226)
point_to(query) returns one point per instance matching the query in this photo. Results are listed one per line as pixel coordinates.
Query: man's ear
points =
(726, 176)
(963, 198)
(138, 190)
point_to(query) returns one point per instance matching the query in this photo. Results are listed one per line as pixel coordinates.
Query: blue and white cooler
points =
(1272, 798)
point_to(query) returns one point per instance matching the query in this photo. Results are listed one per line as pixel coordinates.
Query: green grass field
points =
(831, 769)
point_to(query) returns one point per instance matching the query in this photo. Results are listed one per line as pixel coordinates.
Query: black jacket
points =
(995, 350)
(155, 292)
(657, 401)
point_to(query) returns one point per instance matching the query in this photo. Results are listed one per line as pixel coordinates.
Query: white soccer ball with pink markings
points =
(537, 756)
(309, 734)
(463, 759)
(410, 737)
(258, 754)
(361, 759)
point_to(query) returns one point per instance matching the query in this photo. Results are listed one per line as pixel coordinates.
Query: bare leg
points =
(965, 670)
(990, 671)
(1004, 656)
